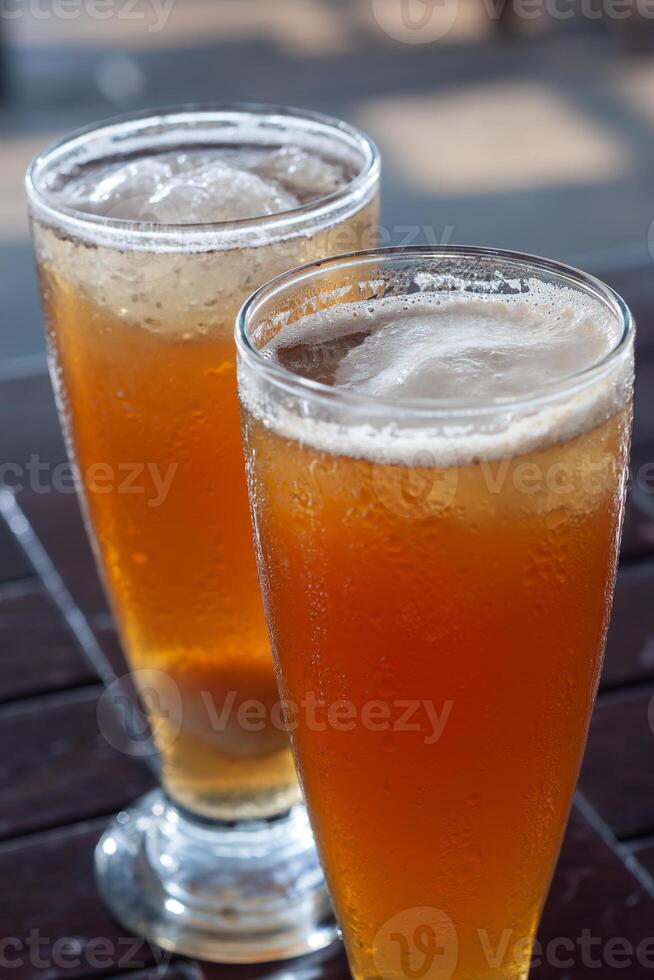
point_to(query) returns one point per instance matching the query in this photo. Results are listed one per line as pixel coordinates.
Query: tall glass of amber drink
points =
(437, 445)
(149, 232)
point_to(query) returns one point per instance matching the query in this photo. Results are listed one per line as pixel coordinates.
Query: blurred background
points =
(526, 124)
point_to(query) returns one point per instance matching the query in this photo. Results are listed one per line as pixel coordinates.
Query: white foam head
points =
(451, 376)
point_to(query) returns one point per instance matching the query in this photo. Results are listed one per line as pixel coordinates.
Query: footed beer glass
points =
(149, 232)
(437, 445)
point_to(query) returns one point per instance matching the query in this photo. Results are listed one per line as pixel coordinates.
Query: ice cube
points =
(117, 190)
(176, 188)
(213, 190)
(306, 174)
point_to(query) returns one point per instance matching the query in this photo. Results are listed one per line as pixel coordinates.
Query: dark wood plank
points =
(39, 654)
(643, 401)
(329, 964)
(638, 535)
(174, 971)
(13, 563)
(49, 897)
(58, 524)
(592, 890)
(618, 775)
(43, 484)
(57, 767)
(46, 495)
(638, 530)
(641, 484)
(594, 902)
(60, 863)
(36, 436)
(630, 643)
(644, 855)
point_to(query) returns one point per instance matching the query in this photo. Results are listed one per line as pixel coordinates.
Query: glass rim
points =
(432, 408)
(170, 116)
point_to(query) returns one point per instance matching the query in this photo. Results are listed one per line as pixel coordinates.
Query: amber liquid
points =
(154, 392)
(486, 591)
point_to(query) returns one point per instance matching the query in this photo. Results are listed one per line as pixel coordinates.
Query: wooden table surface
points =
(62, 781)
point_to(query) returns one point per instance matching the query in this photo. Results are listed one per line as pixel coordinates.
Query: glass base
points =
(241, 893)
